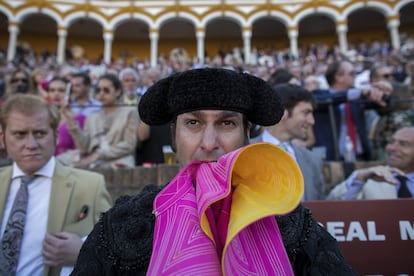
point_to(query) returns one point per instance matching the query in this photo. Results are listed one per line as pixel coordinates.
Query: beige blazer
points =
(371, 190)
(113, 135)
(71, 190)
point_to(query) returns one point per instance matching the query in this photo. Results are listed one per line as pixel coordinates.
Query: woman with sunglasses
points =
(109, 137)
(20, 82)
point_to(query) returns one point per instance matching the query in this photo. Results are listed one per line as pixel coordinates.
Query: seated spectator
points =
(43, 230)
(282, 75)
(81, 101)
(295, 124)
(396, 114)
(396, 180)
(38, 76)
(152, 139)
(19, 82)
(109, 137)
(311, 83)
(57, 94)
(129, 78)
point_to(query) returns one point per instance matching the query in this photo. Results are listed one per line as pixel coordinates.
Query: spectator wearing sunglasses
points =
(109, 136)
(19, 82)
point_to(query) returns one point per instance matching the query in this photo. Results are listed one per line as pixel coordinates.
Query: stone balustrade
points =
(131, 181)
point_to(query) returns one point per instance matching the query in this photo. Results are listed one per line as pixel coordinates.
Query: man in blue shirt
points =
(82, 102)
(396, 180)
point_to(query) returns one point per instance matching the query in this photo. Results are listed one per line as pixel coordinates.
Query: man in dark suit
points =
(63, 203)
(297, 119)
(330, 128)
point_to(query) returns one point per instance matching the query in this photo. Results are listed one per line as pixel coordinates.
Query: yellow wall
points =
(94, 47)
(4, 40)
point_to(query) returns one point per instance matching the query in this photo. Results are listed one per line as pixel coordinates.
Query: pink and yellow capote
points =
(218, 218)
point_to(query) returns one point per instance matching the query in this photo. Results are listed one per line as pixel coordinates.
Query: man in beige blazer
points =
(384, 182)
(64, 203)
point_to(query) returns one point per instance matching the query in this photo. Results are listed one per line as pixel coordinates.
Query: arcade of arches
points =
(147, 29)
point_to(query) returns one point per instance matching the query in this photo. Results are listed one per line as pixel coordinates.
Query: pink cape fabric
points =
(202, 192)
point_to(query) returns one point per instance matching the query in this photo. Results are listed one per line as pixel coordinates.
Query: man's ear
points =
(285, 115)
(249, 127)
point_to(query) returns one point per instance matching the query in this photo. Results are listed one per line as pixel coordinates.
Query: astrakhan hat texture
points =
(211, 88)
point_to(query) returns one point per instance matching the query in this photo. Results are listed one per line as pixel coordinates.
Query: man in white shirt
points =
(339, 114)
(297, 119)
(63, 203)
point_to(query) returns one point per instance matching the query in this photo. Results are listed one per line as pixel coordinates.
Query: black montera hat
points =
(211, 88)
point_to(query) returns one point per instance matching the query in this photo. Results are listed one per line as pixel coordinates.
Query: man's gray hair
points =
(128, 71)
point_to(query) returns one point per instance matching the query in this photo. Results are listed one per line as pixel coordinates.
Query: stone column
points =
(393, 24)
(341, 30)
(62, 34)
(293, 38)
(154, 35)
(247, 35)
(200, 34)
(108, 37)
(13, 32)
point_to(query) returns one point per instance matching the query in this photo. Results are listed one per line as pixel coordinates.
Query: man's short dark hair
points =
(332, 71)
(292, 94)
(85, 77)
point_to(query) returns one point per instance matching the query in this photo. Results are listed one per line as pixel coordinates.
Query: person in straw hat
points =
(233, 208)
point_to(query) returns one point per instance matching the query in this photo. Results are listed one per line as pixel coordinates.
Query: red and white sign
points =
(376, 237)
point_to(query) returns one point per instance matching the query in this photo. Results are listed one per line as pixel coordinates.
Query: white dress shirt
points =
(354, 186)
(30, 259)
(269, 138)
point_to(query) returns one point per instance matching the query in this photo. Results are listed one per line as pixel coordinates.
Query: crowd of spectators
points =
(370, 63)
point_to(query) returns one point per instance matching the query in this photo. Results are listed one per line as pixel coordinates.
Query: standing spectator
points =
(110, 135)
(331, 118)
(62, 204)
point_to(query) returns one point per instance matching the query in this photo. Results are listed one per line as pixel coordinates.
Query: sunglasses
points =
(386, 76)
(104, 89)
(19, 80)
